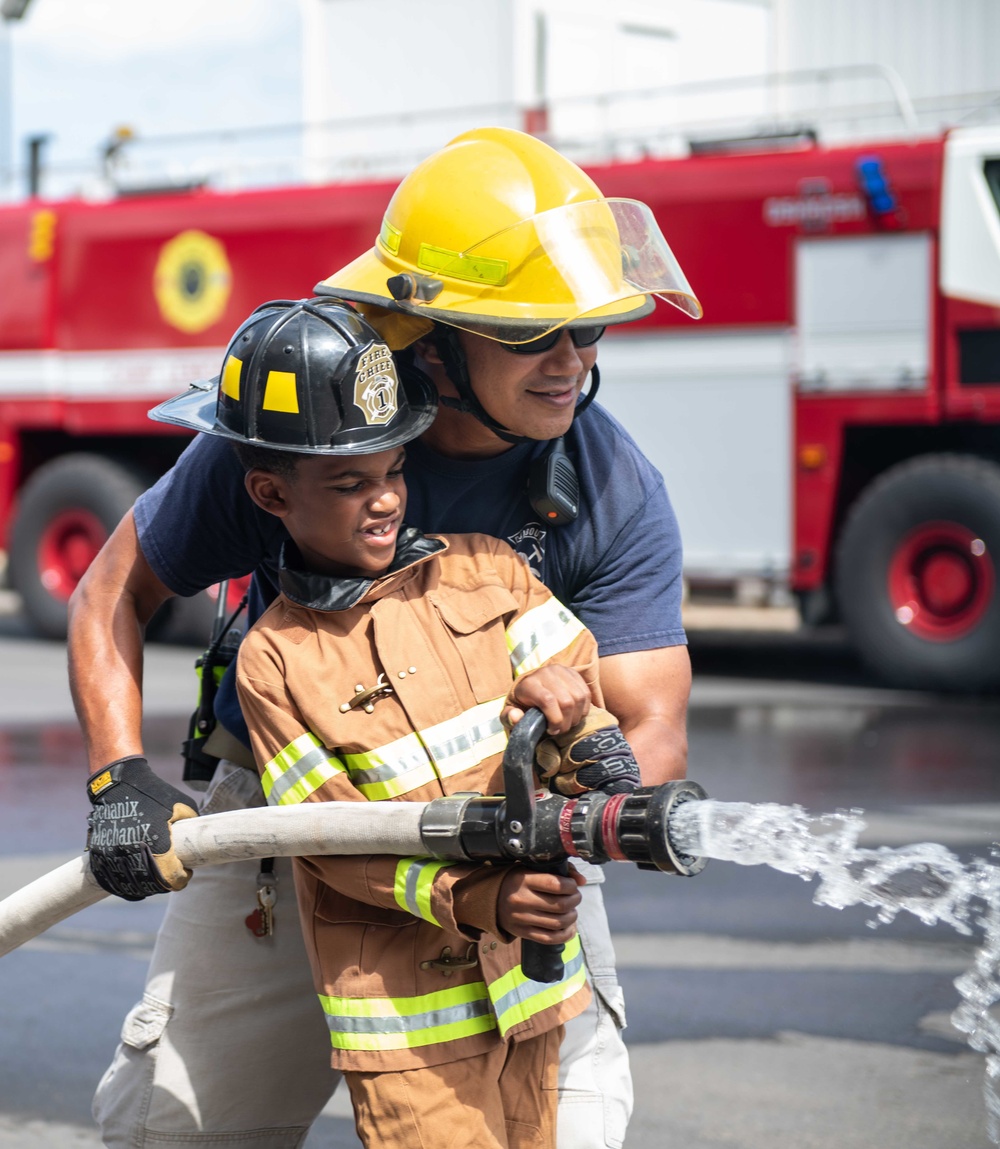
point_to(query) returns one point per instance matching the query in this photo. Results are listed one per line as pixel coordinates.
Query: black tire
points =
(65, 512)
(929, 529)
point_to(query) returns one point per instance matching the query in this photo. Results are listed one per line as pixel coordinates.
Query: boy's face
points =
(344, 512)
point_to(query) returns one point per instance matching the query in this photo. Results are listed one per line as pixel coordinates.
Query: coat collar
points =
(331, 593)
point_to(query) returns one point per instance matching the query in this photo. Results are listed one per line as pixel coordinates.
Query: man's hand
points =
(539, 907)
(603, 761)
(559, 692)
(131, 853)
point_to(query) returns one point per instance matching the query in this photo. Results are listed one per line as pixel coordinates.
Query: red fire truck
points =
(832, 426)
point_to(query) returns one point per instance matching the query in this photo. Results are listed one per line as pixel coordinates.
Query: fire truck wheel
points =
(917, 574)
(67, 509)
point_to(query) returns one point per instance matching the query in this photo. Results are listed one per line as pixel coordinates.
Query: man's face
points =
(532, 395)
(344, 513)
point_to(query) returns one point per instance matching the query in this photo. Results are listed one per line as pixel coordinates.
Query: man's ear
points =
(268, 491)
(426, 350)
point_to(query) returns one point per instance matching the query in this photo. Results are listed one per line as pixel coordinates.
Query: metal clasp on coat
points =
(367, 698)
(448, 962)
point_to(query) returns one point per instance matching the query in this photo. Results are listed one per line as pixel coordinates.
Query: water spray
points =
(926, 880)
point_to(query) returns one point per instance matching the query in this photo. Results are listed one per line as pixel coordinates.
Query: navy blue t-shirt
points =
(618, 566)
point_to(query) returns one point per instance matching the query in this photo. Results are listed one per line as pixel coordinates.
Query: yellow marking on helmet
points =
(231, 378)
(280, 393)
(390, 237)
(475, 268)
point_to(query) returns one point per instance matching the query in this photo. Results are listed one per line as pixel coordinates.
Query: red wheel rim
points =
(69, 544)
(941, 581)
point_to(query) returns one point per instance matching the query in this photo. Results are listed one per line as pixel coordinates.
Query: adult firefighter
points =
(498, 265)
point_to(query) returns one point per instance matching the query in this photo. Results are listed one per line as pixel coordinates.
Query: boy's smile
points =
(342, 511)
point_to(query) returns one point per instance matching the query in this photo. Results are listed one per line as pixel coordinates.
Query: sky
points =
(81, 68)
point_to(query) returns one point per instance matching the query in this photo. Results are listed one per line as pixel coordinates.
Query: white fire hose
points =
(262, 832)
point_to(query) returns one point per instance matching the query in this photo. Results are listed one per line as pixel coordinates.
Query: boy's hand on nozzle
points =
(538, 906)
(559, 692)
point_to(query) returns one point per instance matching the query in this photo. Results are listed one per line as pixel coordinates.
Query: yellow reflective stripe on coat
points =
(408, 1022)
(298, 771)
(540, 634)
(457, 744)
(413, 885)
(463, 742)
(517, 998)
(391, 770)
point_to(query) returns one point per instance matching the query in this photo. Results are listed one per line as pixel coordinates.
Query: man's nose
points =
(563, 358)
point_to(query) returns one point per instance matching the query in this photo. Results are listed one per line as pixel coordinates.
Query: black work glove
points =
(131, 853)
(587, 759)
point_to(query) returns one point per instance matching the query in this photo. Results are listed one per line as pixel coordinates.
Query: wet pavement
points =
(756, 1018)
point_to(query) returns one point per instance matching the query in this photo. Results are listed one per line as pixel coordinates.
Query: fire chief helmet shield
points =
(500, 235)
(308, 376)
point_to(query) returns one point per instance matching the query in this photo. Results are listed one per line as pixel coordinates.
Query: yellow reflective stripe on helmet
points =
(457, 744)
(408, 1022)
(517, 998)
(231, 378)
(389, 237)
(413, 885)
(280, 393)
(455, 265)
(540, 634)
(298, 771)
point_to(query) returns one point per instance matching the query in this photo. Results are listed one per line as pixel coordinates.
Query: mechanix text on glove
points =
(129, 840)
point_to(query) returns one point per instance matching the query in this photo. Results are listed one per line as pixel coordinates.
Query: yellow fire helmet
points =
(501, 235)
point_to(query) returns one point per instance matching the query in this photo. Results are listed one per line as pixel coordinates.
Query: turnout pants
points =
(504, 1099)
(229, 1046)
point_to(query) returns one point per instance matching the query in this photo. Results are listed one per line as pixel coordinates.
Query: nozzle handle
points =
(542, 961)
(539, 961)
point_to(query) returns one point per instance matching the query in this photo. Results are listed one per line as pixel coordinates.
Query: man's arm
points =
(108, 614)
(647, 691)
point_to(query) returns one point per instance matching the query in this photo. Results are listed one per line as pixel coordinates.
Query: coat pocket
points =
(476, 619)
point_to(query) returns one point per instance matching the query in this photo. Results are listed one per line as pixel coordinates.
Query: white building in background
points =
(441, 66)
(636, 74)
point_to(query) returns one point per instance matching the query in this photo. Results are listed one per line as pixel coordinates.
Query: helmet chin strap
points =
(456, 367)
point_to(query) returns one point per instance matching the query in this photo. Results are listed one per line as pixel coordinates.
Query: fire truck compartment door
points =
(711, 410)
(863, 312)
(970, 216)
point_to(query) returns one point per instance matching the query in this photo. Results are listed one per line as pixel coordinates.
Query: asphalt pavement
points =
(757, 1018)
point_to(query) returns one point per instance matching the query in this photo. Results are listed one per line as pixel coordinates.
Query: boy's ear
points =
(268, 491)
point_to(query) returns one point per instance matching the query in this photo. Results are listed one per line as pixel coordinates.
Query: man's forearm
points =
(660, 749)
(105, 677)
(648, 692)
(108, 614)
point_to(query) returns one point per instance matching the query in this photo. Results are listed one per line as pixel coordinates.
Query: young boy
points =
(383, 671)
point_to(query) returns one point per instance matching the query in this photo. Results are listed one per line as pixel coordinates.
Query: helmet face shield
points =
(597, 259)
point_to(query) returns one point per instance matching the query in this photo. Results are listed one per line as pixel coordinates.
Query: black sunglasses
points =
(581, 336)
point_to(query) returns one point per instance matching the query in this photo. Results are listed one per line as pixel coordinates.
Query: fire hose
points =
(540, 829)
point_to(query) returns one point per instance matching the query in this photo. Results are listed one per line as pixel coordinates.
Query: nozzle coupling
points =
(632, 827)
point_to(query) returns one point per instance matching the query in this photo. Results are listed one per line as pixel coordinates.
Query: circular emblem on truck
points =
(192, 281)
